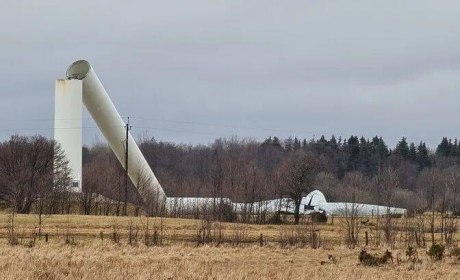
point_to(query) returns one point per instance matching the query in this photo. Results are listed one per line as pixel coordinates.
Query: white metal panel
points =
(67, 125)
(347, 208)
(315, 201)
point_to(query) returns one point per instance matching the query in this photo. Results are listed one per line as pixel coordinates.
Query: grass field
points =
(88, 256)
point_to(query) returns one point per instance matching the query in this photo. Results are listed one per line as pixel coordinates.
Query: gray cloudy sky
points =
(192, 71)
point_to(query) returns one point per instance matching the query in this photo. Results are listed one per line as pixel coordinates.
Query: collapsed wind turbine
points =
(83, 86)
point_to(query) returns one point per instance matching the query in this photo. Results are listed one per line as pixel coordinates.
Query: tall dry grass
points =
(94, 260)
(83, 247)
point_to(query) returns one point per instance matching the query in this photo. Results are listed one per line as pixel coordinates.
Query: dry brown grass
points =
(92, 258)
(174, 229)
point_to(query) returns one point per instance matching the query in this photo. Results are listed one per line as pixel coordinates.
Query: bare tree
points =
(89, 199)
(54, 187)
(353, 189)
(300, 170)
(14, 172)
(147, 196)
(32, 170)
(429, 180)
(328, 184)
(449, 196)
(103, 182)
(217, 174)
(389, 184)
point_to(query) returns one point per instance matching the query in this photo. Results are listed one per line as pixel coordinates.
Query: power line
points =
(40, 120)
(221, 125)
(250, 128)
(59, 128)
(176, 130)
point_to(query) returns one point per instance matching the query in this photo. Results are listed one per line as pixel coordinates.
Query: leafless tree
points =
(14, 169)
(449, 195)
(217, 174)
(389, 185)
(50, 198)
(429, 180)
(300, 171)
(103, 182)
(328, 184)
(148, 196)
(33, 170)
(89, 198)
(353, 188)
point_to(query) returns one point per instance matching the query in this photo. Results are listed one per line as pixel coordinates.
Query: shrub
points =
(228, 215)
(455, 252)
(412, 255)
(274, 219)
(370, 260)
(410, 252)
(394, 216)
(436, 252)
(318, 217)
(456, 213)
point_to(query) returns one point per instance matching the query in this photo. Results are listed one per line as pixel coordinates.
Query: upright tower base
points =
(68, 125)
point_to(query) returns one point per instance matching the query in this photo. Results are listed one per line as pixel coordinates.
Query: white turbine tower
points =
(83, 85)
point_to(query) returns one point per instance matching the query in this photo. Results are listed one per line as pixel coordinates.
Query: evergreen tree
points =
(289, 144)
(444, 148)
(276, 142)
(379, 147)
(321, 144)
(267, 142)
(423, 158)
(412, 152)
(365, 154)
(455, 152)
(352, 148)
(333, 143)
(402, 149)
(297, 144)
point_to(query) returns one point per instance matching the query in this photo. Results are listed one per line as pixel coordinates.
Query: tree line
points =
(244, 170)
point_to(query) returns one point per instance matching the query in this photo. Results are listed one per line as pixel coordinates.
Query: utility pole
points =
(125, 208)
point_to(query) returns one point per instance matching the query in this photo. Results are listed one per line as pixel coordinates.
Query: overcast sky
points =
(192, 71)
